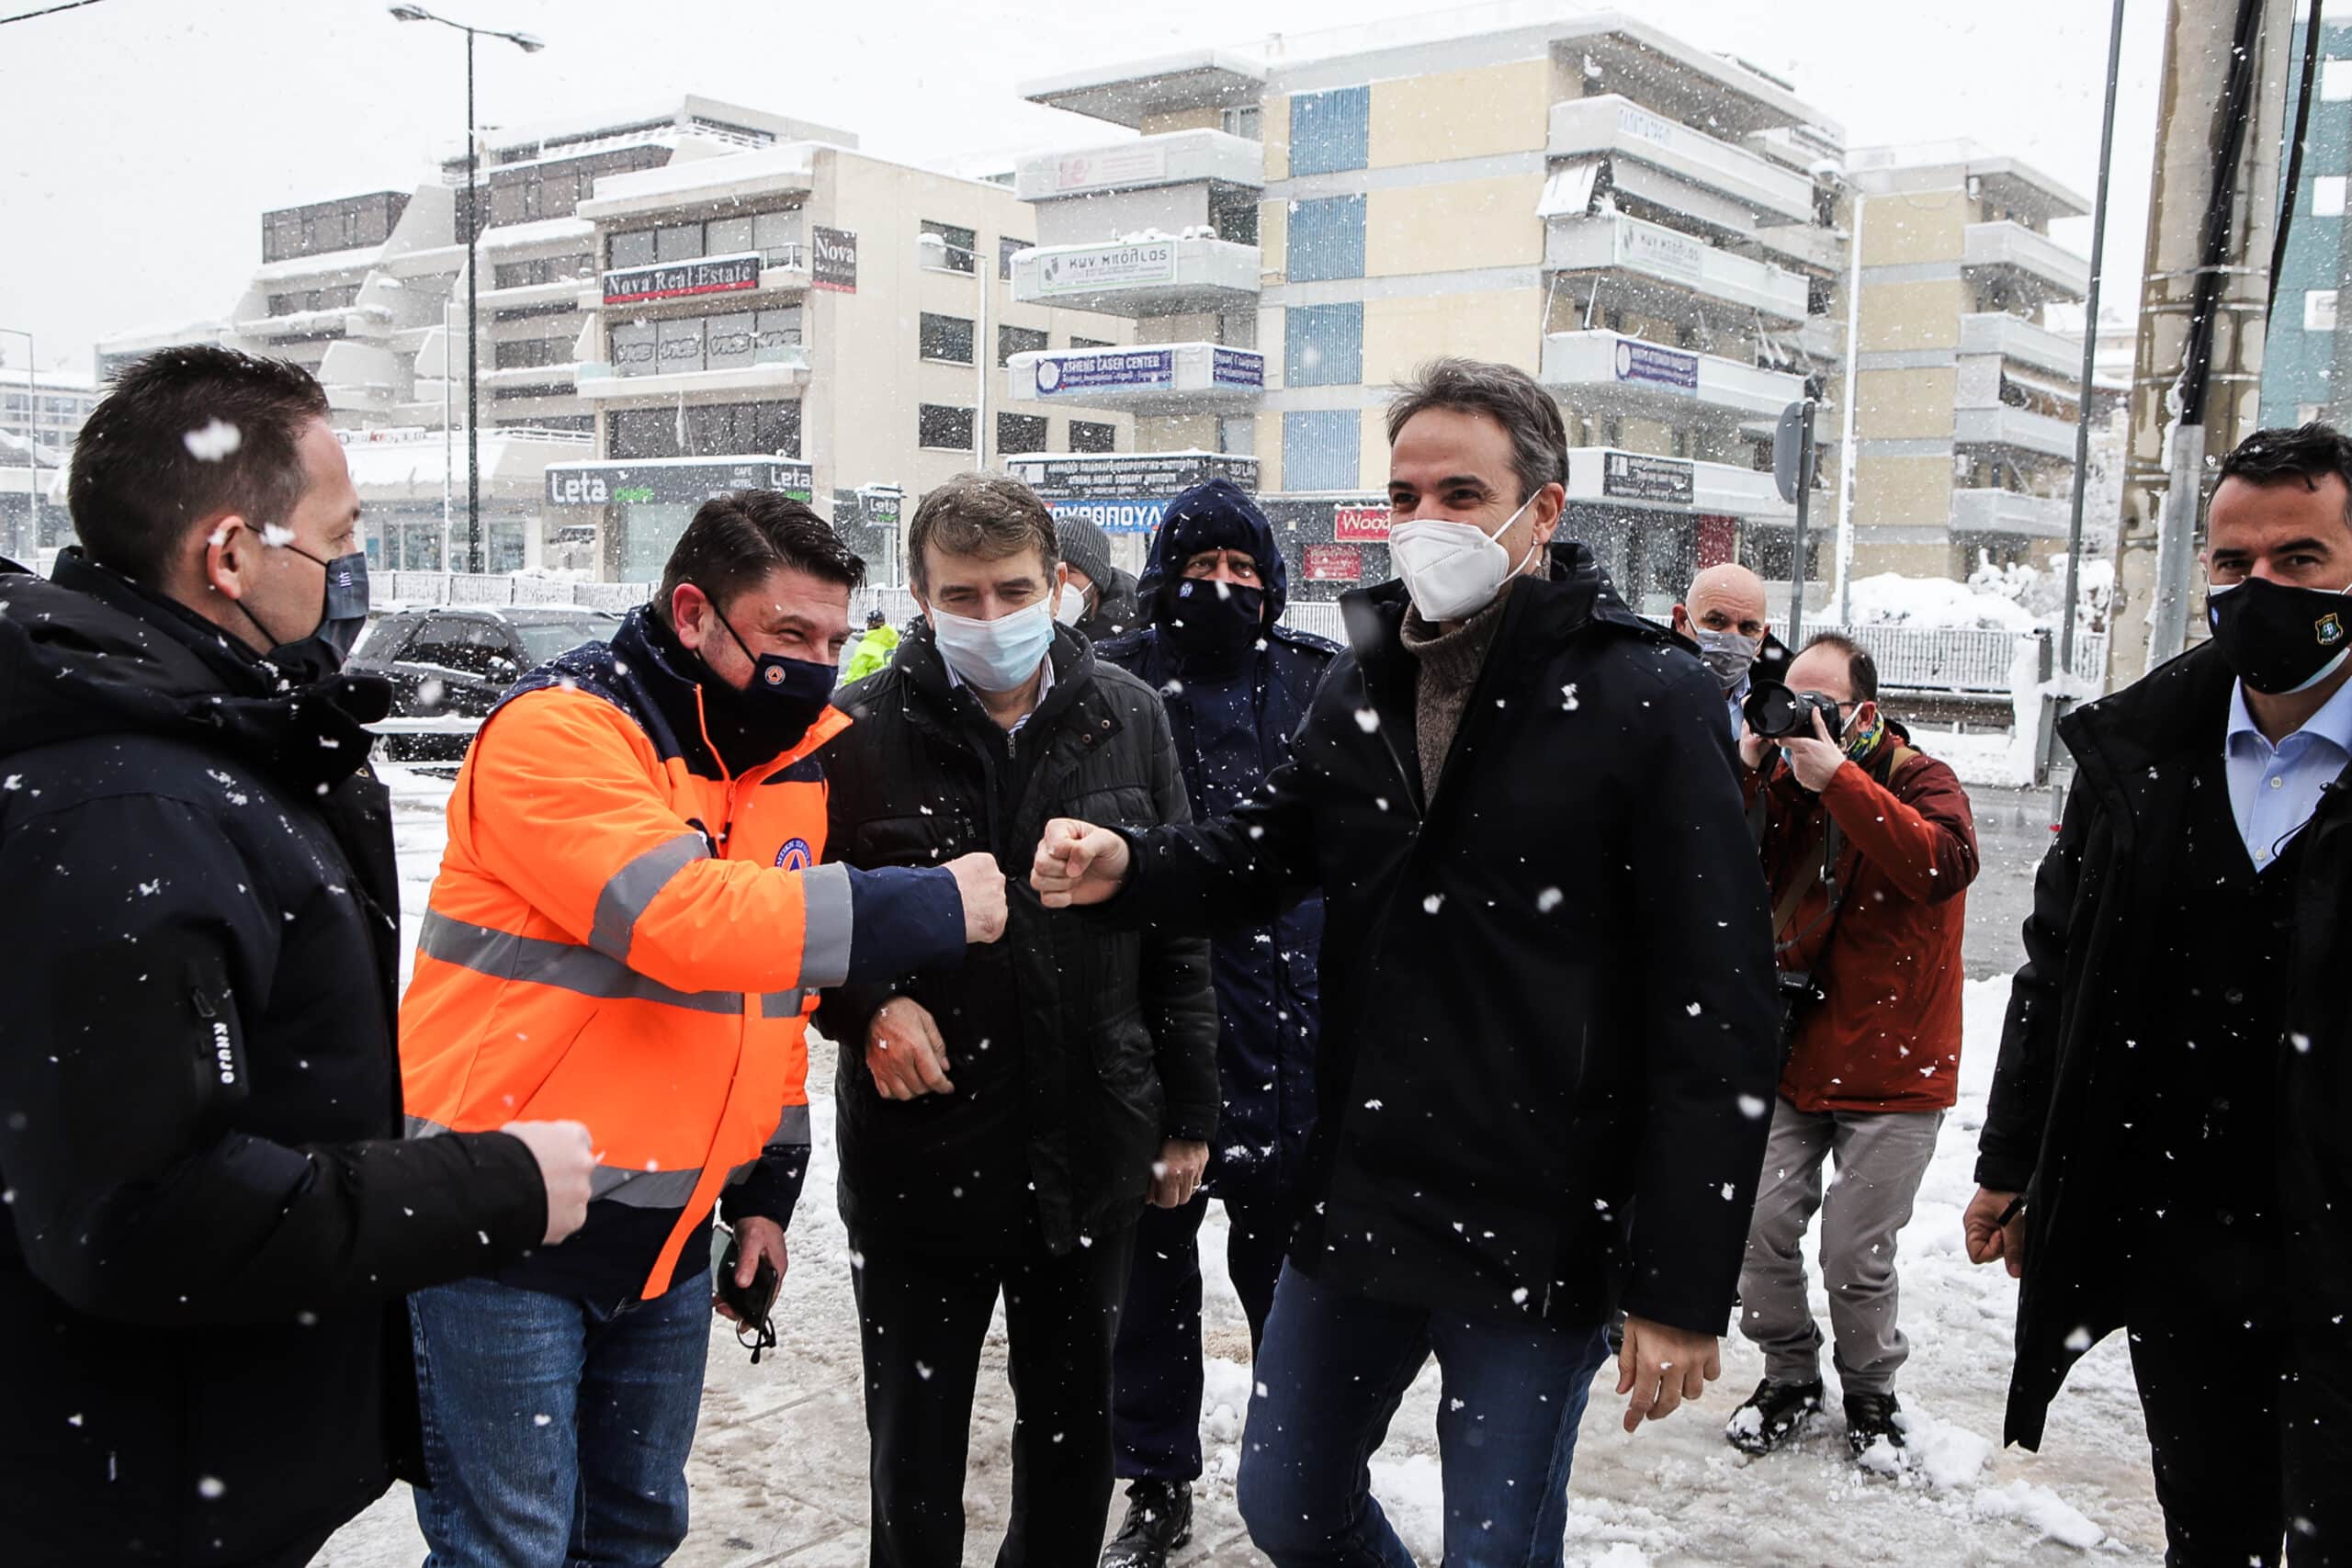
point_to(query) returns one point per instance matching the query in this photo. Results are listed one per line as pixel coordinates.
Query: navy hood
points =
(1218, 515)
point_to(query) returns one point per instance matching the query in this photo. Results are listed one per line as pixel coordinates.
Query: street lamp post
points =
(528, 45)
(930, 241)
(31, 542)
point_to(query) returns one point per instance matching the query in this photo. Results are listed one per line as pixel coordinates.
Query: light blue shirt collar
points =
(2333, 723)
(955, 681)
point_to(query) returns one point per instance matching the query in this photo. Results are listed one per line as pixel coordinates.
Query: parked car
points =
(455, 661)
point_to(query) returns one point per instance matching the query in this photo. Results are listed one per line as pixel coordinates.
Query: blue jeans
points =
(1335, 1366)
(556, 1432)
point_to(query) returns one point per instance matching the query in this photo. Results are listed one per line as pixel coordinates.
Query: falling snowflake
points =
(1548, 900)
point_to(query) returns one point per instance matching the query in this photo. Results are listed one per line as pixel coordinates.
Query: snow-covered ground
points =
(778, 1472)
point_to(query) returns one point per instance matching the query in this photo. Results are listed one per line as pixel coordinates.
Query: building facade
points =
(2304, 361)
(41, 413)
(1645, 226)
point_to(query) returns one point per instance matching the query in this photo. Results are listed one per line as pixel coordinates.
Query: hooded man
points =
(1236, 682)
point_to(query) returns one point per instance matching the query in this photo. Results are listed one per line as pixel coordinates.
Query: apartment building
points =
(1966, 400)
(2305, 366)
(1646, 226)
(41, 413)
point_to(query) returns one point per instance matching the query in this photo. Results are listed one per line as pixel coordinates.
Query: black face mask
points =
(767, 718)
(1211, 619)
(2280, 640)
(343, 614)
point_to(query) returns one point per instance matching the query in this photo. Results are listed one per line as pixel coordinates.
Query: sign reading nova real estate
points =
(600, 484)
(1633, 476)
(832, 259)
(1670, 369)
(1060, 374)
(680, 280)
(1107, 267)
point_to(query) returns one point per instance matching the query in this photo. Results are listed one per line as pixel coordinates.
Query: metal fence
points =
(1964, 661)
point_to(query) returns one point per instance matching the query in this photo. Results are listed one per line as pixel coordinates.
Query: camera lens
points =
(1774, 711)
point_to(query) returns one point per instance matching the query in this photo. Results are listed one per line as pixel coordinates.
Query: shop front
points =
(641, 507)
(1126, 494)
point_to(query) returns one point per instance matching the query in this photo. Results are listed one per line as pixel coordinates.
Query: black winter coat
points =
(1548, 1044)
(1075, 1052)
(2093, 946)
(212, 1220)
(2315, 1092)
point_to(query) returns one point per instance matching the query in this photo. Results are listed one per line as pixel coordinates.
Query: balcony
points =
(1669, 273)
(1126, 95)
(601, 383)
(2015, 429)
(2015, 338)
(1655, 160)
(2036, 267)
(1606, 372)
(1147, 276)
(1145, 377)
(562, 291)
(2008, 512)
(1179, 157)
(1604, 476)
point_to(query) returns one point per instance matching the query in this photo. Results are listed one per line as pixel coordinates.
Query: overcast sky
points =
(143, 138)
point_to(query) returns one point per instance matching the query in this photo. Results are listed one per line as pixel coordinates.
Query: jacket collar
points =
(2181, 707)
(949, 703)
(1546, 610)
(666, 676)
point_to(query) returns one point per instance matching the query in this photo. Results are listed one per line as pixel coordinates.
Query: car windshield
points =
(542, 640)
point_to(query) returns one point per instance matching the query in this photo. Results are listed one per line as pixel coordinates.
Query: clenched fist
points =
(1078, 863)
(567, 1164)
(982, 886)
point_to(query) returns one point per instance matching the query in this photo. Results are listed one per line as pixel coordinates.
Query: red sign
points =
(1359, 525)
(1334, 563)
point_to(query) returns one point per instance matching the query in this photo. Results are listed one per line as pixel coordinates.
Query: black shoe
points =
(1159, 1523)
(1775, 1413)
(1872, 1420)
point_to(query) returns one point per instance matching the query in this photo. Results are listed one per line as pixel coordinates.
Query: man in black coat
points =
(1099, 601)
(1003, 1122)
(1236, 682)
(211, 1218)
(2163, 1148)
(1548, 1057)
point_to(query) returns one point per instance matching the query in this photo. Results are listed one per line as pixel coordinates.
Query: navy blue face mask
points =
(765, 719)
(343, 614)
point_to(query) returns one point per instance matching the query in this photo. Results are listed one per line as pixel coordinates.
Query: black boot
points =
(1775, 1413)
(1872, 1419)
(1159, 1523)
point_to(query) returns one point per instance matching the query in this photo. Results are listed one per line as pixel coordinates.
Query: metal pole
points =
(2090, 347)
(987, 276)
(473, 324)
(1796, 553)
(1846, 419)
(448, 440)
(32, 452)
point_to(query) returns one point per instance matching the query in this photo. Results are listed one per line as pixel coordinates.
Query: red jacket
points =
(1885, 1036)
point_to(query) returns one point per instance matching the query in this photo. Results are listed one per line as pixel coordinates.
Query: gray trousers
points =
(1881, 1157)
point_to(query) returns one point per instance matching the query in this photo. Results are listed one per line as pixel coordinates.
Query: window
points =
(301, 299)
(2327, 196)
(1326, 239)
(779, 336)
(678, 346)
(1090, 342)
(948, 429)
(630, 250)
(676, 243)
(1233, 213)
(730, 342)
(1020, 433)
(1010, 341)
(1319, 450)
(1238, 435)
(1088, 436)
(1323, 345)
(779, 236)
(1329, 131)
(947, 337)
(728, 236)
(633, 350)
(1008, 249)
(2335, 81)
(531, 351)
(545, 269)
(1247, 123)
(708, 430)
(2319, 310)
(961, 245)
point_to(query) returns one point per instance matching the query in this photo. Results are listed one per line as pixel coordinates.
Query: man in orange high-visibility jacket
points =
(630, 924)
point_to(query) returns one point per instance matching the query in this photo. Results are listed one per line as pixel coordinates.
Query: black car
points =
(455, 661)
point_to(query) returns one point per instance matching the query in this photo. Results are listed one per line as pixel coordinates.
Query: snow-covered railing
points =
(1964, 660)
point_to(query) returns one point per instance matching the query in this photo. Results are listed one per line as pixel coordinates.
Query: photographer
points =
(1869, 849)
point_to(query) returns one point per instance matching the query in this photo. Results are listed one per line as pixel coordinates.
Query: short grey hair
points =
(1504, 393)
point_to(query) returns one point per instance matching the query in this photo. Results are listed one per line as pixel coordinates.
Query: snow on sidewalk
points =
(778, 1471)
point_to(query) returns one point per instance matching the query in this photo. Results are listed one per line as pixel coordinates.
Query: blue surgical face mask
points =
(999, 655)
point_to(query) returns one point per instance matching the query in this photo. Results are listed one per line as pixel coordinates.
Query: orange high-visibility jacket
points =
(623, 934)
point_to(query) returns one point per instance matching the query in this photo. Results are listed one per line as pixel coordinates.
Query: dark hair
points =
(980, 514)
(182, 435)
(1504, 393)
(2306, 452)
(737, 538)
(1862, 670)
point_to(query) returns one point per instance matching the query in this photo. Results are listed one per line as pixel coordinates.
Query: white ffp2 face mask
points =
(1455, 570)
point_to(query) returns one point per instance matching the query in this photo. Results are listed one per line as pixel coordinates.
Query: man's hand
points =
(904, 1052)
(1753, 748)
(756, 1241)
(1814, 760)
(982, 886)
(1078, 863)
(567, 1161)
(1661, 1366)
(1176, 1174)
(1987, 1237)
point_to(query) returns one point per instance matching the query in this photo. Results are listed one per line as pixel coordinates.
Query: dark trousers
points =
(1156, 1413)
(2250, 1431)
(922, 1319)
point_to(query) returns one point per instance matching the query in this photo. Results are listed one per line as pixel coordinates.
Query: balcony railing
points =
(2035, 263)
(1673, 272)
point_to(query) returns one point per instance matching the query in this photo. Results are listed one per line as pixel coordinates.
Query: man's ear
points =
(228, 555)
(1680, 621)
(688, 609)
(1551, 505)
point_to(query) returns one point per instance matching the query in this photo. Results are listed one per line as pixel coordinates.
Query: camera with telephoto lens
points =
(1775, 711)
